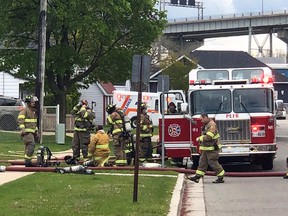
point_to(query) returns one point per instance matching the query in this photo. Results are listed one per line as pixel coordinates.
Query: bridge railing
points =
(228, 16)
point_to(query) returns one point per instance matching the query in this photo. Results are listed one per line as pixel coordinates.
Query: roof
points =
(225, 59)
(106, 88)
(155, 75)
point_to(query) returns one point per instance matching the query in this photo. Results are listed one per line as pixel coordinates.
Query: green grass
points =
(75, 194)
(12, 142)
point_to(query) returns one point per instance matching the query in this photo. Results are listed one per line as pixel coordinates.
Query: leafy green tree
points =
(98, 36)
(178, 71)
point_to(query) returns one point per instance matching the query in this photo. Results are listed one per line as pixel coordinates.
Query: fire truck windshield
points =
(221, 100)
(260, 101)
(211, 101)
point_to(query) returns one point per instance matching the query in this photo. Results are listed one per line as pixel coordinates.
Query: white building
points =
(99, 95)
(10, 86)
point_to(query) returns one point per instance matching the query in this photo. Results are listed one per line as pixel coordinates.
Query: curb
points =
(175, 204)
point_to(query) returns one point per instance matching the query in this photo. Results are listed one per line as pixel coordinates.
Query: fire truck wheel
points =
(134, 122)
(267, 163)
(195, 163)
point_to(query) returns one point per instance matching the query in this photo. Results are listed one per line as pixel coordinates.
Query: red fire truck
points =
(241, 101)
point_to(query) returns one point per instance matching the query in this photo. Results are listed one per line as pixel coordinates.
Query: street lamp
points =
(262, 7)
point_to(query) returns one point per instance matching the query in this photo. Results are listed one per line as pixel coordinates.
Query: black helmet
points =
(110, 108)
(30, 98)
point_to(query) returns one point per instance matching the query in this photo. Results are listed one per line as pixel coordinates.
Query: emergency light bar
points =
(261, 80)
(200, 82)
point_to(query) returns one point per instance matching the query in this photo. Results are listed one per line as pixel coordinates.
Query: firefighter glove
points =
(199, 139)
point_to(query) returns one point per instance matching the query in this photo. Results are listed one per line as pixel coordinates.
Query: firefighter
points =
(172, 108)
(146, 132)
(116, 123)
(209, 147)
(27, 121)
(98, 149)
(83, 124)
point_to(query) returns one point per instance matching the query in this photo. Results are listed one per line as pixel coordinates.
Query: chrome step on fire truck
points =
(241, 101)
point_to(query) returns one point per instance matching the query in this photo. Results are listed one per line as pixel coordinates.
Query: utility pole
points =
(39, 91)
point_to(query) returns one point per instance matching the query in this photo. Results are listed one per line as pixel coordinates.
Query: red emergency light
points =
(255, 128)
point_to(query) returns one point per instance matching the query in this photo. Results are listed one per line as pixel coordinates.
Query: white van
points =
(280, 109)
(127, 101)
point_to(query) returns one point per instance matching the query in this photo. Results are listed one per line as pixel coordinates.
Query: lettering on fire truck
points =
(232, 115)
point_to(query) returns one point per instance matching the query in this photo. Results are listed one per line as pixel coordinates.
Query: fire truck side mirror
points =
(184, 108)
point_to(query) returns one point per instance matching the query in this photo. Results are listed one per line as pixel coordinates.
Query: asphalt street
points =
(257, 196)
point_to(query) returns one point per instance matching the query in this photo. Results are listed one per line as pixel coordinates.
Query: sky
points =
(229, 7)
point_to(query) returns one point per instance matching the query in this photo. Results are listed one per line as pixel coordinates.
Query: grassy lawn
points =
(12, 142)
(76, 194)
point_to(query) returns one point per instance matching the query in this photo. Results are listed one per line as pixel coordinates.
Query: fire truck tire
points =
(134, 122)
(195, 163)
(267, 163)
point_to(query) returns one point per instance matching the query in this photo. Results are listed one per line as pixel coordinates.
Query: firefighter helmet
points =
(143, 106)
(30, 98)
(111, 108)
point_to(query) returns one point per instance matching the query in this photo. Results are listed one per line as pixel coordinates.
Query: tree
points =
(97, 36)
(178, 71)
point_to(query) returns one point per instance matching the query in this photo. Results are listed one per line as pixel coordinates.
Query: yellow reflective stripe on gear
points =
(97, 158)
(221, 173)
(86, 115)
(145, 127)
(30, 130)
(121, 161)
(205, 148)
(146, 135)
(80, 129)
(216, 136)
(127, 151)
(116, 131)
(118, 121)
(27, 157)
(30, 120)
(210, 134)
(110, 120)
(142, 159)
(21, 126)
(199, 172)
(21, 116)
(102, 146)
(201, 138)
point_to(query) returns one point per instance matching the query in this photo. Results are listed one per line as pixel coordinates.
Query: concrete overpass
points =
(185, 31)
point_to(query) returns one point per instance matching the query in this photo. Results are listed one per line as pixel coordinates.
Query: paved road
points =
(257, 196)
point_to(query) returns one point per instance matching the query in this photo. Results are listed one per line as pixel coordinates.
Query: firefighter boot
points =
(195, 178)
(28, 163)
(286, 176)
(220, 179)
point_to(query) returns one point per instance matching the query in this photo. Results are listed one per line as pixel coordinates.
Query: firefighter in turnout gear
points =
(98, 149)
(209, 147)
(146, 132)
(116, 123)
(84, 117)
(27, 121)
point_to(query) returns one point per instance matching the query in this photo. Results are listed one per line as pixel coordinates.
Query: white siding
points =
(93, 93)
(9, 86)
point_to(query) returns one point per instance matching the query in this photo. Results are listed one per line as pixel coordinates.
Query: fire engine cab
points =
(241, 101)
